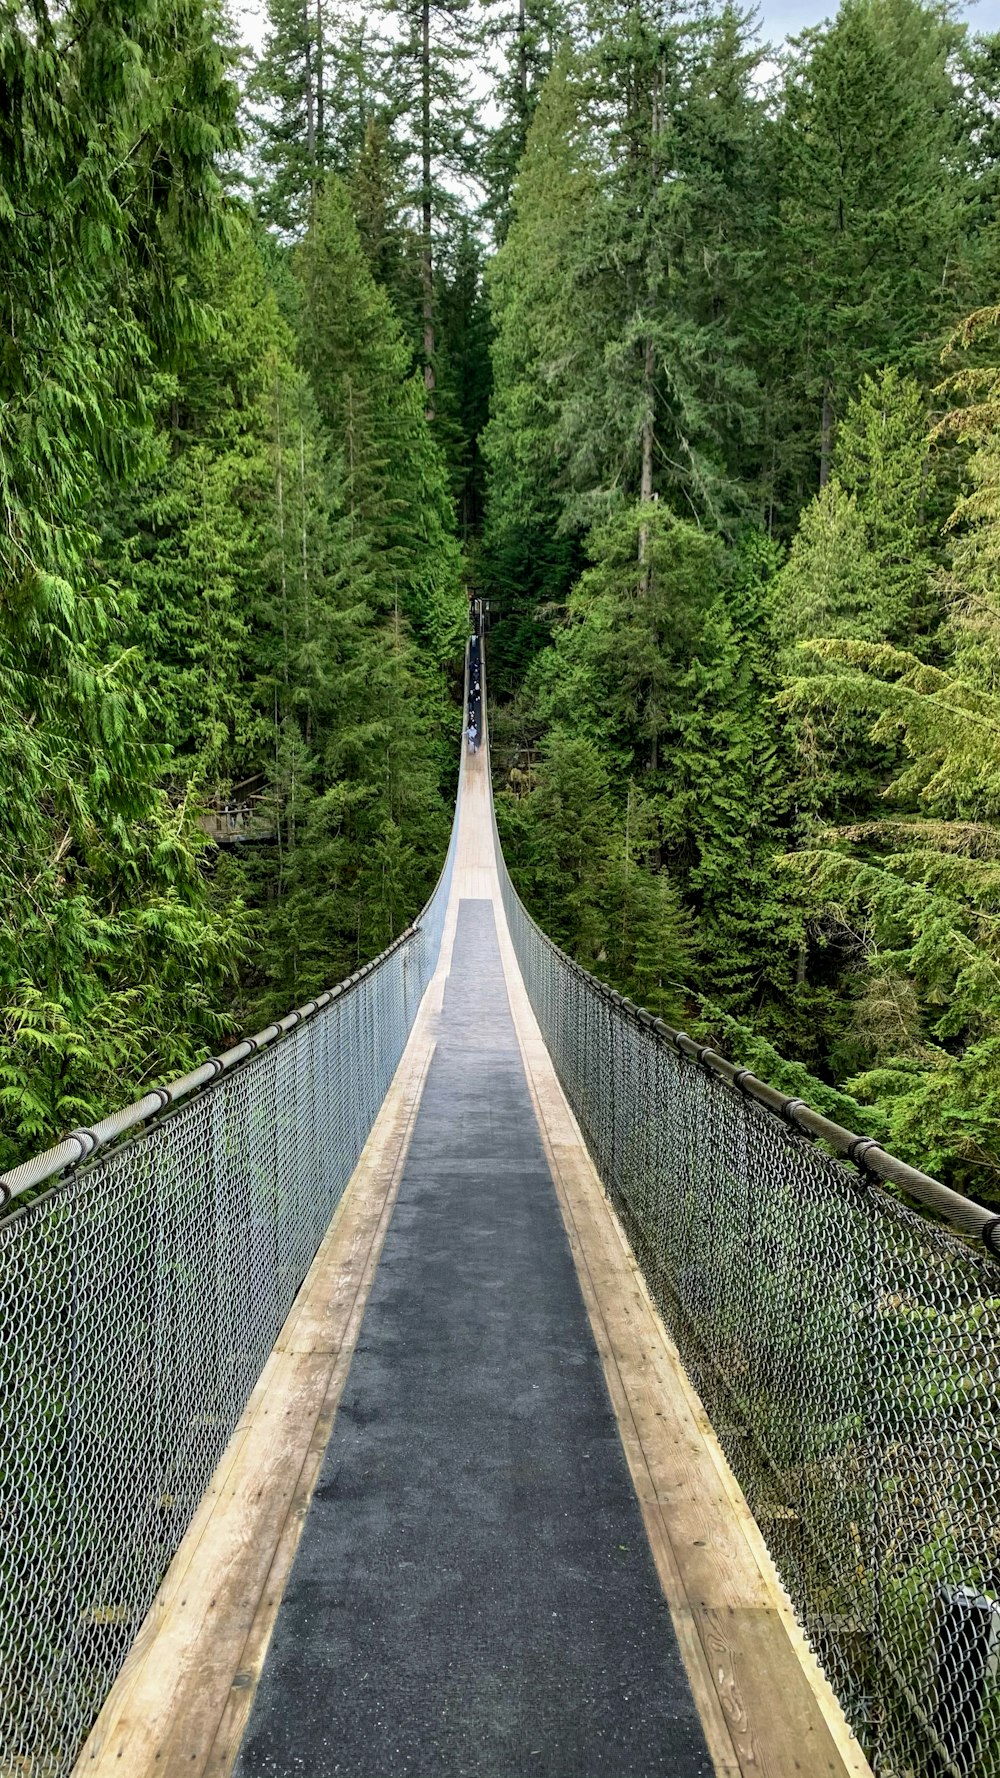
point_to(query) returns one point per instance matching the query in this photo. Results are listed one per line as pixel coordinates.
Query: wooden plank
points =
(219, 1599)
(776, 1729)
(766, 1706)
(718, 1567)
(710, 1705)
(239, 1700)
(473, 877)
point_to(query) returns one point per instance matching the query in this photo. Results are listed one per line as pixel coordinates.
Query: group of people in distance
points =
(475, 696)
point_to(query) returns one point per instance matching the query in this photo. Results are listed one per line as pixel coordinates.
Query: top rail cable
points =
(141, 1293)
(846, 1349)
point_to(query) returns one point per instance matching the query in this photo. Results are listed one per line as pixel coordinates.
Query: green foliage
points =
(874, 213)
(621, 286)
(276, 652)
(861, 561)
(582, 864)
(661, 672)
(761, 780)
(922, 884)
(322, 96)
(528, 559)
(206, 572)
(111, 961)
(703, 298)
(436, 108)
(463, 374)
(395, 484)
(735, 1038)
(667, 258)
(531, 35)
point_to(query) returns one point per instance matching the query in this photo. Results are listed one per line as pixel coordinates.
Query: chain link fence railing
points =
(846, 1348)
(140, 1297)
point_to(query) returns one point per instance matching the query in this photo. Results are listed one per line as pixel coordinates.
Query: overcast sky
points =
(782, 18)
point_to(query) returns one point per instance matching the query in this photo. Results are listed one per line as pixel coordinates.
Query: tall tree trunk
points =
(628, 866)
(280, 474)
(310, 98)
(427, 261)
(303, 520)
(648, 441)
(826, 436)
(648, 423)
(351, 509)
(320, 153)
(522, 61)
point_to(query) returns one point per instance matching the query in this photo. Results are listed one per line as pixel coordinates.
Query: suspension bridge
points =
(471, 1374)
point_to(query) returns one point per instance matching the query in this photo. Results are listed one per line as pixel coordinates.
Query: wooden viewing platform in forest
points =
(244, 816)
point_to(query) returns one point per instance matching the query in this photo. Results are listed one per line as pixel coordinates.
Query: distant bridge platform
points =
(473, 1519)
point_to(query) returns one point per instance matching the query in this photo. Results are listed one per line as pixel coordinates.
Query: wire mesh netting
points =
(140, 1299)
(847, 1351)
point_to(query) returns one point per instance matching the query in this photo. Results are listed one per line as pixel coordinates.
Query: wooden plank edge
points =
(235, 1715)
(378, 1151)
(697, 1661)
(830, 1706)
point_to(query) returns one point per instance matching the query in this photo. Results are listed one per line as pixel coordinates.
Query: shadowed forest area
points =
(682, 352)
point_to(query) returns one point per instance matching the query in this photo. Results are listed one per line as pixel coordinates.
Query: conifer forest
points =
(680, 349)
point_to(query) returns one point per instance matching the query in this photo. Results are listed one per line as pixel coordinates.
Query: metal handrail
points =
(863, 1151)
(81, 1144)
(964, 1213)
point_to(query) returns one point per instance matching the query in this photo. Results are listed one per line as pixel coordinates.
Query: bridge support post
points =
(966, 1658)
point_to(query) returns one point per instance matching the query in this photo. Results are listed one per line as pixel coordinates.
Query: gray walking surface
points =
(474, 1592)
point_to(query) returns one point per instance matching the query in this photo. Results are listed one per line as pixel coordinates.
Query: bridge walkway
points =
(473, 1520)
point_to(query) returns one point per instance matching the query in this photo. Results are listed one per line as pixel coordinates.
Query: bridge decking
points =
(524, 1551)
(474, 1591)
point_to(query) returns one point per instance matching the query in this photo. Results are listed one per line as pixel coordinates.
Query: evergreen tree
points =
(437, 123)
(882, 460)
(272, 653)
(587, 869)
(861, 566)
(531, 34)
(377, 199)
(464, 375)
(922, 881)
(322, 92)
(666, 394)
(110, 959)
(193, 538)
(618, 297)
(630, 637)
(666, 669)
(394, 474)
(289, 87)
(731, 792)
(528, 557)
(874, 214)
(758, 788)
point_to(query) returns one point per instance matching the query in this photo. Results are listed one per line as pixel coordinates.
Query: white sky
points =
(780, 18)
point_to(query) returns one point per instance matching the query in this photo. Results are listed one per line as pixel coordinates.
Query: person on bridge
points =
(473, 736)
